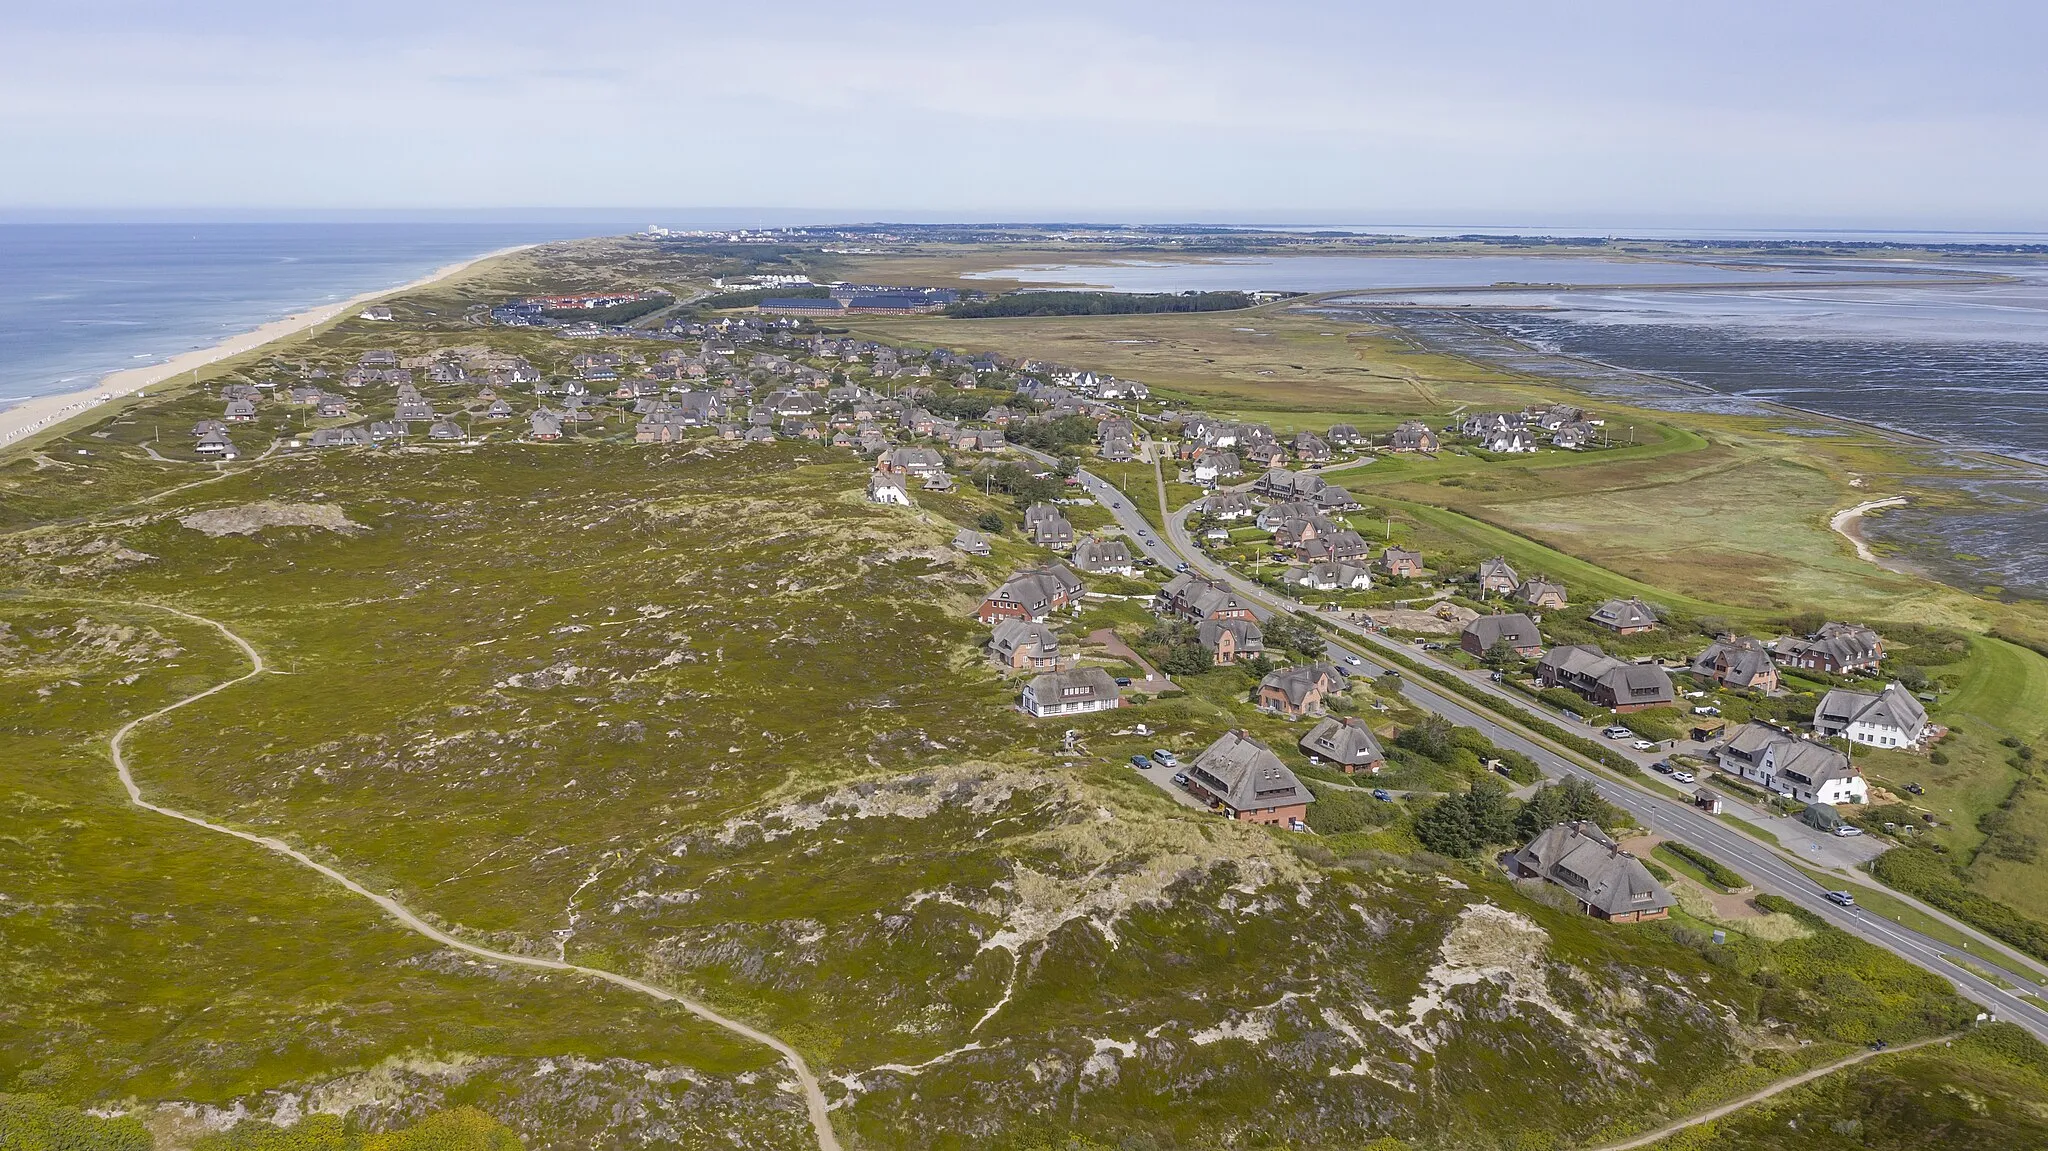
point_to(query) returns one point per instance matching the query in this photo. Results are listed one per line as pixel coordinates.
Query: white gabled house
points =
(1890, 718)
(887, 488)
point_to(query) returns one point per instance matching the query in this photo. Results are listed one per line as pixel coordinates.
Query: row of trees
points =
(1466, 823)
(1058, 436)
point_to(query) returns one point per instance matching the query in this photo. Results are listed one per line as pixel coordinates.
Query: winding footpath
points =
(814, 1097)
(1781, 1086)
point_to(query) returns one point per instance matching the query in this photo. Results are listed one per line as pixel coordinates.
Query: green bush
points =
(1784, 906)
(37, 1123)
(1716, 872)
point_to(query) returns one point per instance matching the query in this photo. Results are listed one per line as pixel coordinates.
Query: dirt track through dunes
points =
(1734, 1105)
(814, 1098)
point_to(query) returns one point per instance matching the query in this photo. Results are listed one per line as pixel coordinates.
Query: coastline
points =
(1847, 524)
(39, 413)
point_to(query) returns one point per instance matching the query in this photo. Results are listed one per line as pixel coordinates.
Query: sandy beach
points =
(37, 413)
(1845, 523)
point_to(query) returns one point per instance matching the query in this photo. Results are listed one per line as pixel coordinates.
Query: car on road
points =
(1165, 758)
(1181, 567)
(1140, 762)
(1383, 795)
(1354, 661)
(1618, 732)
(1847, 830)
(1842, 898)
(1181, 778)
(1643, 745)
(1683, 777)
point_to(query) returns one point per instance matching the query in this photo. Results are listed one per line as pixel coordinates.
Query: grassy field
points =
(701, 714)
(148, 960)
(1987, 1090)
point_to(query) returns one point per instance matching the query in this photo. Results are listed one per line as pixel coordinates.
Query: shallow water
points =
(1337, 273)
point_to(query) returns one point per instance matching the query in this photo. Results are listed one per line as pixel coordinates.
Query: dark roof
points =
(1246, 775)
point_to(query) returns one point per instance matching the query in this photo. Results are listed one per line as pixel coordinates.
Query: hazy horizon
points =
(1746, 116)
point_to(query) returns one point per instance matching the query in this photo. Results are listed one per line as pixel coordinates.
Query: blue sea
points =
(80, 300)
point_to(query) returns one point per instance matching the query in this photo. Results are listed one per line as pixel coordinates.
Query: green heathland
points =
(700, 714)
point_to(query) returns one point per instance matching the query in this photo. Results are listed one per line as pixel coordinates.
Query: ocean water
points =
(80, 300)
(1962, 363)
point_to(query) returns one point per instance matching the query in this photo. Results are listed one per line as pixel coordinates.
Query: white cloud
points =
(1727, 110)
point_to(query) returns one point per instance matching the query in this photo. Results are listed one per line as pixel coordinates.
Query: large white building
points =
(1890, 718)
(1807, 771)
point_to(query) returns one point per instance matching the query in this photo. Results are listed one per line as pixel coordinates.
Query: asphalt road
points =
(1672, 818)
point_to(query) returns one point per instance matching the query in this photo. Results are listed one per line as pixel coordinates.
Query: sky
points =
(1785, 114)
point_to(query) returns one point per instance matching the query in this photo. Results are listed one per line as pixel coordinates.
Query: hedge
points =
(1716, 872)
(1779, 903)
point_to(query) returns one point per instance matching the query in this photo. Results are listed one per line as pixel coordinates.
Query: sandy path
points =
(814, 1098)
(39, 412)
(1845, 524)
(1728, 1108)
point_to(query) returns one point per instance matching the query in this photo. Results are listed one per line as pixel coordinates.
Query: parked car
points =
(1643, 745)
(1123, 681)
(1181, 778)
(1618, 732)
(1915, 789)
(1683, 777)
(1706, 709)
(1165, 758)
(1842, 898)
(1140, 762)
(1848, 829)
(1663, 767)
(1383, 795)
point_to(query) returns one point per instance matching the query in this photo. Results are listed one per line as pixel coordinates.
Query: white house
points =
(1891, 718)
(1807, 771)
(887, 488)
(1072, 692)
